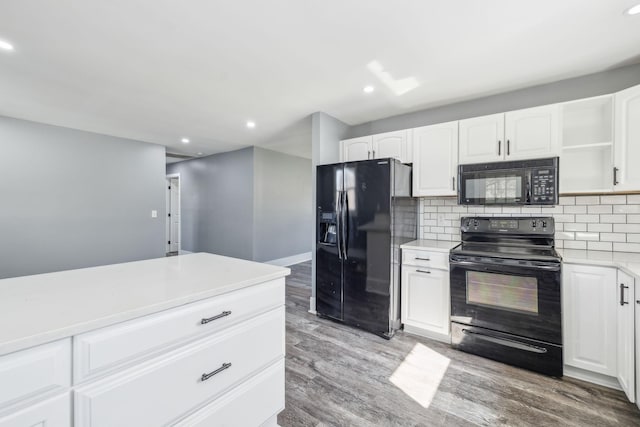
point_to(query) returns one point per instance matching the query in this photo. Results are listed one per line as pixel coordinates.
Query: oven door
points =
(516, 297)
(494, 187)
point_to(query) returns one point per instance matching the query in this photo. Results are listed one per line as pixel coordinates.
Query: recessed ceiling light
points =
(368, 89)
(251, 124)
(6, 45)
(185, 140)
(633, 10)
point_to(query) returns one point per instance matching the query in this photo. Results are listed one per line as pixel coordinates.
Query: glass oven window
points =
(501, 291)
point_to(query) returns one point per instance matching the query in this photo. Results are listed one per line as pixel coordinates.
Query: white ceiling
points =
(158, 70)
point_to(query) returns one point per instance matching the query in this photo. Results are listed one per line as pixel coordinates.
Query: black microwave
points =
(523, 182)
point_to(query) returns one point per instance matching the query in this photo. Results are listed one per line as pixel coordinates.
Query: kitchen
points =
(94, 235)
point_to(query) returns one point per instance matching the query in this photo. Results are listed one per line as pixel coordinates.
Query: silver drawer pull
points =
(423, 271)
(224, 366)
(211, 319)
(423, 259)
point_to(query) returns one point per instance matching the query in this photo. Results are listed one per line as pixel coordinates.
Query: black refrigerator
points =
(364, 213)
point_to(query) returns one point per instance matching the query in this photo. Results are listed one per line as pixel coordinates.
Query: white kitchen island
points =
(182, 340)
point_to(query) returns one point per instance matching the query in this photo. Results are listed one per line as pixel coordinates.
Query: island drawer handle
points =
(224, 366)
(211, 319)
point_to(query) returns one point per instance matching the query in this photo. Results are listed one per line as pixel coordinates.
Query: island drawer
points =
(54, 412)
(165, 390)
(100, 352)
(425, 258)
(26, 374)
(264, 394)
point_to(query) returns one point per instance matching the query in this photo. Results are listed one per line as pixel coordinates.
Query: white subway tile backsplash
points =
(601, 228)
(613, 237)
(587, 200)
(606, 223)
(575, 244)
(578, 209)
(568, 200)
(600, 209)
(613, 200)
(626, 228)
(600, 246)
(570, 226)
(587, 218)
(613, 219)
(625, 209)
(581, 235)
(626, 247)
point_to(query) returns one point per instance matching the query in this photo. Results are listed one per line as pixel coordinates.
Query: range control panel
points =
(543, 186)
(510, 225)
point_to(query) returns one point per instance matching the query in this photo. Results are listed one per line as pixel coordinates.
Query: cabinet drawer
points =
(427, 259)
(264, 394)
(28, 373)
(99, 352)
(167, 389)
(54, 412)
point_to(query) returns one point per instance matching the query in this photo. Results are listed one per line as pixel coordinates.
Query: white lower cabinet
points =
(637, 352)
(52, 412)
(425, 299)
(589, 318)
(626, 335)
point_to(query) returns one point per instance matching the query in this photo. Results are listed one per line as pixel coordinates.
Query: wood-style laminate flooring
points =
(339, 376)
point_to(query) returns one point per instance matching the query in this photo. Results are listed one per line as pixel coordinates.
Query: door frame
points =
(167, 236)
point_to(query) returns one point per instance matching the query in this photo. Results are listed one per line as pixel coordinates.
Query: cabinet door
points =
(435, 159)
(482, 139)
(626, 334)
(532, 133)
(54, 412)
(589, 318)
(637, 334)
(627, 139)
(425, 299)
(390, 144)
(356, 149)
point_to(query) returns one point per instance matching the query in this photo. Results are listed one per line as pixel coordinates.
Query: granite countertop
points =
(627, 261)
(432, 245)
(41, 308)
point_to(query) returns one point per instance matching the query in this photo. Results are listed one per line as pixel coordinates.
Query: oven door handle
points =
(507, 342)
(496, 267)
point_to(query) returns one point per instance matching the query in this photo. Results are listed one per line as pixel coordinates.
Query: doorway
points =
(173, 215)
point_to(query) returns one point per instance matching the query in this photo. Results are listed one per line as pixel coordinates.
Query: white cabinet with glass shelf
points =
(587, 145)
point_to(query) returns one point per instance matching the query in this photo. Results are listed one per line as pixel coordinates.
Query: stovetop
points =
(511, 251)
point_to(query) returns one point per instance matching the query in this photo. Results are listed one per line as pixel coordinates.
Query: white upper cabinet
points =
(356, 149)
(531, 133)
(586, 140)
(435, 159)
(626, 335)
(390, 144)
(482, 139)
(627, 140)
(523, 134)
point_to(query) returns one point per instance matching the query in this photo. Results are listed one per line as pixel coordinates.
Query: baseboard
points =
(290, 260)
(183, 252)
(427, 334)
(312, 305)
(592, 377)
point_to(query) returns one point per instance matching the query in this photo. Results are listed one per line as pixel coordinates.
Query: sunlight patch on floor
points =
(420, 373)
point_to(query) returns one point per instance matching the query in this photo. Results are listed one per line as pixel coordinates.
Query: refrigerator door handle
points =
(339, 224)
(345, 224)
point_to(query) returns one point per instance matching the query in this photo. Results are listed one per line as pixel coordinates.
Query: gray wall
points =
(73, 199)
(217, 203)
(326, 133)
(564, 90)
(282, 205)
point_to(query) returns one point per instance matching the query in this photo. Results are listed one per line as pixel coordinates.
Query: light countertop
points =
(432, 245)
(626, 261)
(38, 309)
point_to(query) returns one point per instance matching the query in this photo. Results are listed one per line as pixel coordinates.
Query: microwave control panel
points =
(543, 186)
